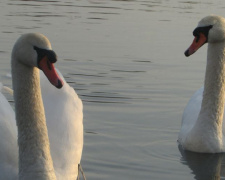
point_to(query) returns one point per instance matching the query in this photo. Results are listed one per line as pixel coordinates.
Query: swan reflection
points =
(203, 165)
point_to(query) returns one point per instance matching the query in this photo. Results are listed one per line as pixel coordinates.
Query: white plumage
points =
(203, 118)
(64, 118)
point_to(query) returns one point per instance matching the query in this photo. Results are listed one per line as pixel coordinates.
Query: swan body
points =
(64, 119)
(34, 157)
(202, 122)
(8, 142)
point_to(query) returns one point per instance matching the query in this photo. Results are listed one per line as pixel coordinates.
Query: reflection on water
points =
(204, 166)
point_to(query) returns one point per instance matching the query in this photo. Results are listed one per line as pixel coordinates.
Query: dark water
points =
(125, 60)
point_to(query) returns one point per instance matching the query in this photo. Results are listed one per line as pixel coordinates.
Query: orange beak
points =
(49, 70)
(196, 44)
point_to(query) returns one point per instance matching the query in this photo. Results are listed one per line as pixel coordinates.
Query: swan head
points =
(211, 29)
(34, 50)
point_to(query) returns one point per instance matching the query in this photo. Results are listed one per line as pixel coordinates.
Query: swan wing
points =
(190, 114)
(8, 141)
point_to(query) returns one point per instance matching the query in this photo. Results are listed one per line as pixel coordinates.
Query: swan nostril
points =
(49, 65)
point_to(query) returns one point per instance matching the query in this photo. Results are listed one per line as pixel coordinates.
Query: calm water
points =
(125, 60)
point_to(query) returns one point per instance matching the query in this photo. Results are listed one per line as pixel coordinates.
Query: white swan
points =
(202, 123)
(63, 110)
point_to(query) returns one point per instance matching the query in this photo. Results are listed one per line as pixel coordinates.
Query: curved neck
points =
(212, 109)
(35, 160)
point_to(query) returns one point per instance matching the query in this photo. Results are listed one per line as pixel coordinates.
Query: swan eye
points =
(52, 57)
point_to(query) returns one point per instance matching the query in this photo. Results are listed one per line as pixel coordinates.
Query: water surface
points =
(125, 60)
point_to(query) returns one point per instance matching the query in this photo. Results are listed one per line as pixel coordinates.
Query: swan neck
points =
(35, 160)
(212, 108)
